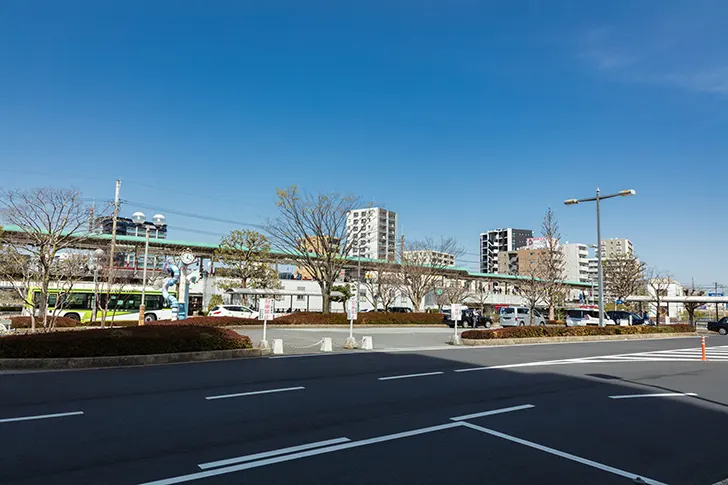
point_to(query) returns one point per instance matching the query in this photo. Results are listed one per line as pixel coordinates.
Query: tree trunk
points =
(326, 298)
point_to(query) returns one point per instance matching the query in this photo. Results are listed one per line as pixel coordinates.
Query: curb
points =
(129, 360)
(587, 338)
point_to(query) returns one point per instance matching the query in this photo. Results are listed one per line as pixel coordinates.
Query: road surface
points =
(596, 413)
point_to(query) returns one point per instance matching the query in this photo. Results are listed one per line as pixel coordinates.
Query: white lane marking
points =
(41, 416)
(407, 376)
(302, 454)
(255, 393)
(562, 454)
(492, 412)
(664, 394)
(268, 454)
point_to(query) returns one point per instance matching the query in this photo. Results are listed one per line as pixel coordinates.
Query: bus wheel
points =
(150, 317)
(73, 316)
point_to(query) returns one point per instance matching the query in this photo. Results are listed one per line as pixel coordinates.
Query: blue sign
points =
(619, 302)
(712, 293)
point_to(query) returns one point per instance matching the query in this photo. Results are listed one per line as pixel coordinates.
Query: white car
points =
(238, 311)
(581, 318)
(520, 316)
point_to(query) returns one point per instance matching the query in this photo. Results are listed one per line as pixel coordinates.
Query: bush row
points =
(24, 322)
(122, 341)
(312, 318)
(542, 331)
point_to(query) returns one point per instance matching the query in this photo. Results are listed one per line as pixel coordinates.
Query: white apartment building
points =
(592, 270)
(576, 262)
(497, 240)
(434, 258)
(615, 247)
(376, 230)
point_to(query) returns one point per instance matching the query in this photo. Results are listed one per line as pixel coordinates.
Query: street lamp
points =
(600, 277)
(139, 219)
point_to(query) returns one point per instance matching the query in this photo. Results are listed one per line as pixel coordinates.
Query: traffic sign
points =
(267, 309)
(456, 312)
(351, 308)
(619, 302)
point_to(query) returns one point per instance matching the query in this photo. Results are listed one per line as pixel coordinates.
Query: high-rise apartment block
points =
(616, 247)
(500, 240)
(375, 230)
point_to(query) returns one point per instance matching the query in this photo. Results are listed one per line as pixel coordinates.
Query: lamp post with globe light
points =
(139, 219)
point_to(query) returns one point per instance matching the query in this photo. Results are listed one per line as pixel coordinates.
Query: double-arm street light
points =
(600, 282)
(139, 219)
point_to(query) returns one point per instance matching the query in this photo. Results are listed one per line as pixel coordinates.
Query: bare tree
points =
(313, 229)
(532, 289)
(551, 264)
(623, 276)
(692, 306)
(480, 294)
(381, 288)
(453, 290)
(47, 223)
(657, 283)
(421, 267)
(247, 254)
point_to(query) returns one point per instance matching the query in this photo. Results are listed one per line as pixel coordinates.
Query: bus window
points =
(76, 301)
(154, 302)
(52, 299)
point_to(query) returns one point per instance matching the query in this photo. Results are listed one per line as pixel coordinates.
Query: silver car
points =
(517, 316)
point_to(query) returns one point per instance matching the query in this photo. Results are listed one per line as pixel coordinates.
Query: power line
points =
(193, 215)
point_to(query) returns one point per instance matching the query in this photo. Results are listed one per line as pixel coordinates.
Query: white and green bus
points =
(78, 304)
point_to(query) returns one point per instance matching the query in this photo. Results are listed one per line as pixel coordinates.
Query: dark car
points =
(400, 309)
(618, 315)
(468, 318)
(721, 326)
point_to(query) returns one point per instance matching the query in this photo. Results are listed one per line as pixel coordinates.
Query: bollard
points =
(326, 344)
(366, 343)
(277, 346)
(702, 346)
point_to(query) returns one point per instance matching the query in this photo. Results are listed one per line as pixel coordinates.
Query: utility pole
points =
(401, 253)
(112, 249)
(716, 305)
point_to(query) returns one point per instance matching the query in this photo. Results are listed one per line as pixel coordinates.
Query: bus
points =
(78, 304)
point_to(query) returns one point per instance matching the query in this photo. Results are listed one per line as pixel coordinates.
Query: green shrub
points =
(542, 331)
(24, 322)
(122, 341)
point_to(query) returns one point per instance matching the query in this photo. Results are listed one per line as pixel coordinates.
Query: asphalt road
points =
(511, 415)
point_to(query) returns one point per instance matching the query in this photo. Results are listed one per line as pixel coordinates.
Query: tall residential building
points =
(376, 232)
(497, 240)
(576, 262)
(614, 247)
(431, 257)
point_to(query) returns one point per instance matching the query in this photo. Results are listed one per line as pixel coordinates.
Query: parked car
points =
(400, 309)
(518, 316)
(578, 317)
(468, 318)
(721, 326)
(618, 315)
(238, 311)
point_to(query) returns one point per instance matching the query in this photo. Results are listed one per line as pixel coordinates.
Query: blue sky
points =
(462, 116)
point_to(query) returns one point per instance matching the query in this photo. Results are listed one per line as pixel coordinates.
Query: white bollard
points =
(326, 345)
(277, 346)
(366, 343)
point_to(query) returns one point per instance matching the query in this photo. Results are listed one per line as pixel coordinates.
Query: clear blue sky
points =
(462, 116)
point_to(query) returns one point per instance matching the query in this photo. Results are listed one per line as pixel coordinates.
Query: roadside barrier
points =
(702, 346)
(326, 345)
(277, 346)
(367, 343)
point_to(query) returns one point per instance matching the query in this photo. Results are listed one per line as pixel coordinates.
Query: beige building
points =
(615, 247)
(433, 258)
(528, 260)
(508, 262)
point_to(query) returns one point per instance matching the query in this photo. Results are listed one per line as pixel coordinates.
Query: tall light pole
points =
(139, 219)
(600, 275)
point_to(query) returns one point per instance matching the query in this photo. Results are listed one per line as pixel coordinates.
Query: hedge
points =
(542, 331)
(208, 322)
(122, 341)
(24, 322)
(366, 318)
